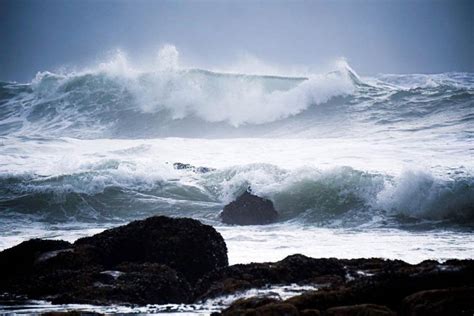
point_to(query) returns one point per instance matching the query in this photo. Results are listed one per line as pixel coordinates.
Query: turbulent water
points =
(356, 166)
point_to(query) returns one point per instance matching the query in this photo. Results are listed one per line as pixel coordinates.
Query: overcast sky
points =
(376, 36)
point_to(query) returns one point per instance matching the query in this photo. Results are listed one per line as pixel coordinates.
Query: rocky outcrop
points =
(374, 287)
(17, 264)
(249, 209)
(153, 261)
(163, 260)
(183, 244)
(256, 306)
(452, 301)
(360, 310)
(146, 283)
(293, 269)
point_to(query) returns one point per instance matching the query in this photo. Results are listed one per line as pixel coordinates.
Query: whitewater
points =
(356, 166)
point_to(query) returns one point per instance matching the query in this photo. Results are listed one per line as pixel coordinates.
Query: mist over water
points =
(336, 152)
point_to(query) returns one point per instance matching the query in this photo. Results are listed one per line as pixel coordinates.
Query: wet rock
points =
(186, 166)
(292, 269)
(153, 261)
(323, 299)
(147, 283)
(22, 256)
(249, 209)
(277, 309)
(360, 310)
(439, 302)
(17, 263)
(185, 245)
(248, 306)
(389, 286)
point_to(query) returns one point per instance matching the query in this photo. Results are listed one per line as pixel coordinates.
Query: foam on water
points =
(355, 166)
(67, 179)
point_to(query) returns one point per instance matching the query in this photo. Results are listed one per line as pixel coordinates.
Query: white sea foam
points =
(356, 167)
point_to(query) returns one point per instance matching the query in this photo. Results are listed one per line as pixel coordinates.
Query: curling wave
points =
(114, 100)
(339, 196)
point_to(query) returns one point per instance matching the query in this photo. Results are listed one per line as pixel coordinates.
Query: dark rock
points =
(440, 302)
(360, 310)
(186, 166)
(310, 312)
(249, 209)
(260, 306)
(151, 261)
(147, 283)
(292, 269)
(323, 299)
(389, 286)
(21, 257)
(16, 263)
(248, 306)
(185, 245)
(158, 260)
(277, 309)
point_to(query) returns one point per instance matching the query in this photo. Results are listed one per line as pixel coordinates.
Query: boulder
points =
(152, 261)
(21, 257)
(360, 310)
(249, 209)
(260, 306)
(17, 263)
(439, 302)
(183, 244)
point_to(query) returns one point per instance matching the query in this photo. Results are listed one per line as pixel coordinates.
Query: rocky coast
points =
(162, 260)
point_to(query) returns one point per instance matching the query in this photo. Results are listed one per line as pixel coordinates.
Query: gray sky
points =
(376, 36)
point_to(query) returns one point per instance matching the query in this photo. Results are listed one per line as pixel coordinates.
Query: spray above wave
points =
(98, 101)
(118, 100)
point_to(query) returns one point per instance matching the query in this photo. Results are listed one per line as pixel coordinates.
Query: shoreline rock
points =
(163, 260)
(183, 244)
(152, 261)
(379, 287)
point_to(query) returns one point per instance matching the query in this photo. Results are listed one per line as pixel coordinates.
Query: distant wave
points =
(200, 103)
(91, 103)
(114, 100)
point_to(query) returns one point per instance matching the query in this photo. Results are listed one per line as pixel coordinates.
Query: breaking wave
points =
(339, 196)
(386, 118)
(116, 100)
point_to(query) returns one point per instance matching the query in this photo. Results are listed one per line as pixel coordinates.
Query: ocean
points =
(356, 166)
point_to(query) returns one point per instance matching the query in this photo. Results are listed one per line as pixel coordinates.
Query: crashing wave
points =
(338, 196)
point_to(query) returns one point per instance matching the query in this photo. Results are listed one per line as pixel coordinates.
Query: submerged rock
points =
(249, 209)
(186, 166)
